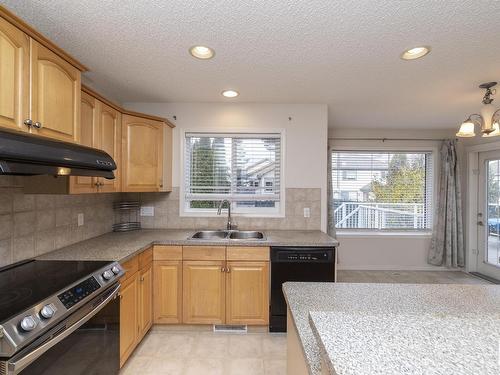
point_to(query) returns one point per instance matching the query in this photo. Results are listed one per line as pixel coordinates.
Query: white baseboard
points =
(394, 267)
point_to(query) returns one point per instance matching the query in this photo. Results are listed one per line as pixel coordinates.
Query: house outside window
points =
(393, 190)
(242, 168)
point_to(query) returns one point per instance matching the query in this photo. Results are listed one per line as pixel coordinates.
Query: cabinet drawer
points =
(204, 253)
(161, 252)
(247, 253)
(145, 258)
(130, 267)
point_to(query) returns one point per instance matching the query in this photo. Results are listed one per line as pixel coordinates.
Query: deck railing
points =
(367, 215)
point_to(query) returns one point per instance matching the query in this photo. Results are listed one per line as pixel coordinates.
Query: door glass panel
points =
(492, 255)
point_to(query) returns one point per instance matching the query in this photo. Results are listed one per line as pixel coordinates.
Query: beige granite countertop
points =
(122, 246)
(327, 303)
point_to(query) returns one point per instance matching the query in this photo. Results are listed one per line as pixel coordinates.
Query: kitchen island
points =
(346, 328)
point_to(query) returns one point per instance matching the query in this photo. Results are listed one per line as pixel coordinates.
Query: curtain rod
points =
(387, 139)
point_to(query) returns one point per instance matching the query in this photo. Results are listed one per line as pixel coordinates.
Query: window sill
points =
(233, 214)
(380, 234)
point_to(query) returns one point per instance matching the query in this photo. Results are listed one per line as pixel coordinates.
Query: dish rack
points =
(126, 216)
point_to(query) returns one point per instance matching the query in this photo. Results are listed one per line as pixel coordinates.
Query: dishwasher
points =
(306, 264)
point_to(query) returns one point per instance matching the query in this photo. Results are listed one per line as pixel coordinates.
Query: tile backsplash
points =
(166, 213)
(34, 224)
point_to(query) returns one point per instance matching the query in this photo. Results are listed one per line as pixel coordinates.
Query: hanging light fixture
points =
(489, 119)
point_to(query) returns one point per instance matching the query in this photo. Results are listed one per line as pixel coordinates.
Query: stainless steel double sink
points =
(214, 235)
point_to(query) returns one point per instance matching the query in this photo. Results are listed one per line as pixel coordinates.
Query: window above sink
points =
(243, 168)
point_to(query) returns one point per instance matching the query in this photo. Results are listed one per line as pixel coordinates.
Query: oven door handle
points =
(16, 365)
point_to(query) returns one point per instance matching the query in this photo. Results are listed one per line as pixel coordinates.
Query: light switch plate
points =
(307, 212)
(81, 220)
(147, 211)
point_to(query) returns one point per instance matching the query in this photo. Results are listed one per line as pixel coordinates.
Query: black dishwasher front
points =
(306, 264)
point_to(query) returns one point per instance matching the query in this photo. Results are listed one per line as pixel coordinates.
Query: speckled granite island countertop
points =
(368, 307)
(122, 246)
(394, 344)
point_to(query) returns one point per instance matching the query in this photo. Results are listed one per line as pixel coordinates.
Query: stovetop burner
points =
(24, 285)
(13, 296)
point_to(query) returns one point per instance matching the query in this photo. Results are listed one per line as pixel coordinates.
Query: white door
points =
(488, 262)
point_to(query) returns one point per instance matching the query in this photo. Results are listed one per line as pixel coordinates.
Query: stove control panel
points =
(74, 295)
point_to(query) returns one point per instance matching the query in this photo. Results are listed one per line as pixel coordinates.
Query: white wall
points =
(385, 251)
(306, 134)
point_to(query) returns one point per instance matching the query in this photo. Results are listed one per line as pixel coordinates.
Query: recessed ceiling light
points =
(230, 93)
(415, 53)
(202, 52)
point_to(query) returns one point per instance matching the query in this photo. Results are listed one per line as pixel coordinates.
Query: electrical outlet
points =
(147, 211)
(81, 220)
(307, 212)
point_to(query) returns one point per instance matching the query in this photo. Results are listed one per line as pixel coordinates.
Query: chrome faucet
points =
(230, 224)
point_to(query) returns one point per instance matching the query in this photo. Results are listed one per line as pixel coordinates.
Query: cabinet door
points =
(167, 292)
(129, 317)
(145, 300)
(55, 95)
(88, 126)
(203, 292)
(109, 138)
(142, 154)
(247, 299)
(14, 77)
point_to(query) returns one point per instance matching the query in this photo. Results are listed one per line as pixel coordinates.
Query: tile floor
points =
(207, 353)
(195, 352)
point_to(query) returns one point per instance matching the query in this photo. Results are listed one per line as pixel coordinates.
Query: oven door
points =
(87, 342)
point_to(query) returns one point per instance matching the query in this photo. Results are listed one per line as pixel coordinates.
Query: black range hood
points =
(29, 155)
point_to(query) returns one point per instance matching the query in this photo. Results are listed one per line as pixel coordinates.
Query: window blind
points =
(243, 168)
(382, 190)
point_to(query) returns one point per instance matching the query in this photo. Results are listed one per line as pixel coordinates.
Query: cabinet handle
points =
(222, 269)
(28, 122)
(228, 270)
(37, 125)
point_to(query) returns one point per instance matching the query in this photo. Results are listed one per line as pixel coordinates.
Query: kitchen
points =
(204, 208)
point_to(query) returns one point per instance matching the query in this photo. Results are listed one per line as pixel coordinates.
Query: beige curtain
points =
(447, 245)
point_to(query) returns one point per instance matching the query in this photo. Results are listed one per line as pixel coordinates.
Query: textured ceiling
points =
(343, 53)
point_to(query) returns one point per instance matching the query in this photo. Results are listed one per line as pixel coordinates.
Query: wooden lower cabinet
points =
(203, 292)
(167, 292)
(129, 316)
(247, 293)
(145, 300)
(136, 303)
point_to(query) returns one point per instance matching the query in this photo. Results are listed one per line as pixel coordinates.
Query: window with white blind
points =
(381, 190)
(242, 168)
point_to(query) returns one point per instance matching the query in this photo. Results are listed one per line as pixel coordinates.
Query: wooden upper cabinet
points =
(109, 140)
(203, 292)
(55, 95)
(247, 291)
(88, 130)
(142, 154)
(14, 77)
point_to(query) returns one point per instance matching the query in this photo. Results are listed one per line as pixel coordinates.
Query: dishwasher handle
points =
(302, 255)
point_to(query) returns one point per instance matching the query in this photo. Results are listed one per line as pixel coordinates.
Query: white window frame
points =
(248, 212)
(392, 146)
